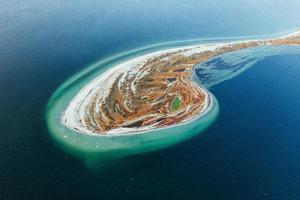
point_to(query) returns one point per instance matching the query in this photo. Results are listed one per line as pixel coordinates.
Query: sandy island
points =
(151, 91)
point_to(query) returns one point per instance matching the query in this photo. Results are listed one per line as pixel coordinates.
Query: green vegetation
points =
(175, 104)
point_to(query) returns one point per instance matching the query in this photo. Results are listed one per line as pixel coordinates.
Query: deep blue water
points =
(251, 151)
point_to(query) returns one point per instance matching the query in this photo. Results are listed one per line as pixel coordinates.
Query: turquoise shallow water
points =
(250, 152)
(96, 150)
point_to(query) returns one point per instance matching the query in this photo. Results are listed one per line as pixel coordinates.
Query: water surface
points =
(251, 151)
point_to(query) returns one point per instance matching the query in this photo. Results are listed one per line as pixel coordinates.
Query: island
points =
(151, 91)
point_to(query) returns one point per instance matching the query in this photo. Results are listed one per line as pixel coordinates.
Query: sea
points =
(251, 151)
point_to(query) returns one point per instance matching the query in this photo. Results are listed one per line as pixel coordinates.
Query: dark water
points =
(251, 152)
